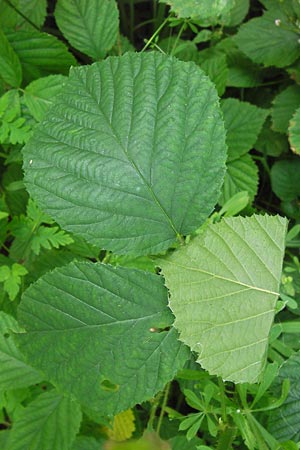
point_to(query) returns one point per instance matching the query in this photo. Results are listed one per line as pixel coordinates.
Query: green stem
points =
(163, 407)
(223, 399)
(155, 34)
(21, 14)
(153, 411)
(182, 28)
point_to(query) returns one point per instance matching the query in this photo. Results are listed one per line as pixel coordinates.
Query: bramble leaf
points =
(285, 177)
(294, 132)
(51, 419)
(209, 11)
(271, 39)
(223, 290)
(113, 168)
(101, 333)
(15, 373)
(284, 106)
(90, 26)
(10, 67)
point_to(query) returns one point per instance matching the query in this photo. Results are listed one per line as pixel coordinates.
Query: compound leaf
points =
(91, 26)
(294, 132)
(241, 175)
(269, 39)
(15, 373)
(223, 290)
(101, 333)
(113, 168)
(243, 123)
(50, 422)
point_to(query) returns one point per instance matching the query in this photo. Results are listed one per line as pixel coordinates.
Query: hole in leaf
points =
(107, 385)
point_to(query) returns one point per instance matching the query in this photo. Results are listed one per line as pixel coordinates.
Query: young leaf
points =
(101, 333)
(289, 412)
(284, 106)
(39, 94)
(224, 286)
(270, 39)
(11, 277)
(90, 26)
(131, 194)
(241, 175)
(294, 132)
(243, 123)
(15, 373)
(46, 237)
(10, 67)
(40, 54)
(50, 422)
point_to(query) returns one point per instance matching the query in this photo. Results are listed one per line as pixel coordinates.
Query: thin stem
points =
(155, 34)
(223, 399)
(182, 28)
(163, 407)
(21, 14)
(153, 410)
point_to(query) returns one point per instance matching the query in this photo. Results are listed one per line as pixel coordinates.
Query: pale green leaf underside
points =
(294, 132)
(206, 10)
(223, 289)
(132, 154)
(90, 26)
(14, 373)
(241, 175)
(50, 422)
(98, 332)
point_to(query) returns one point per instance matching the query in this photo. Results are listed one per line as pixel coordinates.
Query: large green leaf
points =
(266, 43)
(40, 54)
(132, 153)
(209, 11)
(285, 176)
(284, 421)
(10, 66)
(34, 10)
(284, 106)
(241, 175)
(101, 332)
(223, 291)
(294, 132)
(39, 95)
(243, 123)
(91, 26)
(49, 422)
(14, 373)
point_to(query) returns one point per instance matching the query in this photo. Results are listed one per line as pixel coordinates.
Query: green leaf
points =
(266, 43)
(11, 276)
(86, 443)
(50, 422)
(40, 54)
(271, 142)
(34, 10)
(90, 26)
(131, 193)
(10, 66)
(46, 237)
(289, 412)
(15, 373)
(241, 175)
(237, 13)
(285, 176)
(284, 106)
(294, 132)
(101, 333)
(39, 95)
(223, 290)
(209, 11)
(216, 68)
(243, 122)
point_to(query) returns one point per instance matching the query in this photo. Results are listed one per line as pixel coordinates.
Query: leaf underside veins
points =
(132, 154)
(223, 291)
